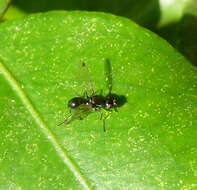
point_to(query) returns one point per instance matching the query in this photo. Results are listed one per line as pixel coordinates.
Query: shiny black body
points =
(75, 102)
(96, 102)
(81, 106)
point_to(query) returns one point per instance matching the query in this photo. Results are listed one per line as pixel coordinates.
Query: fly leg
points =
(101, 118)
(115, 108)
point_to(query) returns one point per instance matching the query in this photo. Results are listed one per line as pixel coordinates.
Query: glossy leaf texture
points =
(150, 143)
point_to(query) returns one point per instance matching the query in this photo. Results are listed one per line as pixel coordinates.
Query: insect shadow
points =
(81, 106)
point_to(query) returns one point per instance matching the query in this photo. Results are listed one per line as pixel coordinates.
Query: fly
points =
(80, 107)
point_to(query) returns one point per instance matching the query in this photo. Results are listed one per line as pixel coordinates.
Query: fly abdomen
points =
(75, 102)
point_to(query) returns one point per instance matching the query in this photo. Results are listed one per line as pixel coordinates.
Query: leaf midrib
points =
(35, 115)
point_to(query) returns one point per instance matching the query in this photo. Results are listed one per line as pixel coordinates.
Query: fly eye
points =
(110, 102)
(108, 106)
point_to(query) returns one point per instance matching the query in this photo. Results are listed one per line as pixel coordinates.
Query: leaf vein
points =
(19, 91)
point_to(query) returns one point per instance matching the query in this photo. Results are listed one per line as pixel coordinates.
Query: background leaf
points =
(149, 144)
(182, 34)
(14, 12)
(3, 6)
(172, 11)
(144, 12)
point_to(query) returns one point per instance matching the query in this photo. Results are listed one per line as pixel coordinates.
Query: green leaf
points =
(3, 6)
(14, 12)
(173, 10)
(144, 12)
(182, 36)
(192, 9)
(150, 143)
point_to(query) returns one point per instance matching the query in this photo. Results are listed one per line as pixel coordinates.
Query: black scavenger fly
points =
(80, 107)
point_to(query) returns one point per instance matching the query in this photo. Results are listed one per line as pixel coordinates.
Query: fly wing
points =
(84, 75)
(79, 113)
(108, 73)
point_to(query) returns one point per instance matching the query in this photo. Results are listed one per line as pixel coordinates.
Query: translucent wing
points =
(84, 75)
(108, 73)
(79, 113)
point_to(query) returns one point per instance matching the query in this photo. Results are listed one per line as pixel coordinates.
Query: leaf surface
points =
(150, 143)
